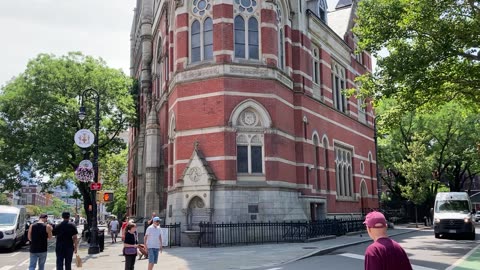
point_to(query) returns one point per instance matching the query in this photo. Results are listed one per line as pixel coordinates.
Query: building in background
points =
(33, 195)
(242, 114)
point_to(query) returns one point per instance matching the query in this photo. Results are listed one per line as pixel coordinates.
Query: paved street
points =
(425, 253)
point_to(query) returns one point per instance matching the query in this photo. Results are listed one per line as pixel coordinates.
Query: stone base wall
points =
(237, 204)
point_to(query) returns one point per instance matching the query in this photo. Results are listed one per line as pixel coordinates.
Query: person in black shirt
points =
(67, 244)
(38, 235)
(130, 241)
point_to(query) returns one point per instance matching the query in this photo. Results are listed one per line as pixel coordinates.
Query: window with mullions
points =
(343, 172)
(201, 37)
(339, 84)
(249, 154)
(281, 39)
(246, 36)
(322, 10)
(316, 66)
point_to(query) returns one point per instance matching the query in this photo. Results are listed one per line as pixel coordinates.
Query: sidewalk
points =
(220, 258)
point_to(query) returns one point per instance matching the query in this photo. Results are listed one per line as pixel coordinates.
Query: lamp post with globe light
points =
(94, 247)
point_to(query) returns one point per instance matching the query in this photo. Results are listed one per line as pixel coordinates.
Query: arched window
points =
(322, 10)
(343, 172)
(252, 38)
(195, 42)
(201, 31)
(338, 81)
(316, 160)
(208, 39)
(325, 155)
(246, 36)
(281, 38)
(239, 37)
(250, 120)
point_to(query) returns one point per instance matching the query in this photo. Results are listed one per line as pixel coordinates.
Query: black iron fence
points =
(174, 234)
(213, 234)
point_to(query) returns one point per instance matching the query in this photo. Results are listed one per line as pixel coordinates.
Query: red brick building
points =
(242, 115)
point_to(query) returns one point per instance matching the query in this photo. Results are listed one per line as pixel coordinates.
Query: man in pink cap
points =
(384, 253)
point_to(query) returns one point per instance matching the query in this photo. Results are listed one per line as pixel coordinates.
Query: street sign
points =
(96, 186)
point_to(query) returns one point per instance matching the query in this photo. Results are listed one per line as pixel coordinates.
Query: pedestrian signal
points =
(108, 197)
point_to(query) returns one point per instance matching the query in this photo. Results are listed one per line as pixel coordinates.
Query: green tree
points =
(4, 199)
(417, 170)
(432, 50)
(447, 137)
(33, 210)
(39, 111)
(115, 168)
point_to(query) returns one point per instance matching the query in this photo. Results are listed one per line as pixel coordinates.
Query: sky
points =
(100, 28)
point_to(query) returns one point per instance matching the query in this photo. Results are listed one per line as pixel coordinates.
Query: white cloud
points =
(100, 28)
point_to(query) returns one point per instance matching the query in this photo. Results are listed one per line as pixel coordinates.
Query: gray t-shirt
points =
(114, 225)
(153, 233)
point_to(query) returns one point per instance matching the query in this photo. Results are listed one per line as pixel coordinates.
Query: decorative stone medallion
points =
(195, 174)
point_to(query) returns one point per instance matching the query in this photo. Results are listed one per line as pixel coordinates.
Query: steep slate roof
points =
(343, 3)
(339, 19)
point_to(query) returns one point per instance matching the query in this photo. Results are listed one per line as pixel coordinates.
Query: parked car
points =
(477, 216)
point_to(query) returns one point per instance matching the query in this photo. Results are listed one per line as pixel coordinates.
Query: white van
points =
(12, 226)
(453, 214)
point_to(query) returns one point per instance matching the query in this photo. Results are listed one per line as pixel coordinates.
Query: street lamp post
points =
(94, 247)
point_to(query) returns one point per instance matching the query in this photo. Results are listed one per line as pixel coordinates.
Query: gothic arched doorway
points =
(364, 197)
(196, 213)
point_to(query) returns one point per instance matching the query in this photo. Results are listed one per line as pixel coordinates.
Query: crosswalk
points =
(361, 257)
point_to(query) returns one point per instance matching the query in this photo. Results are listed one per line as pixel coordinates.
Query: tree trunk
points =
(85, 191)
(416, 217)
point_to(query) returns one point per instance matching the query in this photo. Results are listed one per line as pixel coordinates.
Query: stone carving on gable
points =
(194, 174)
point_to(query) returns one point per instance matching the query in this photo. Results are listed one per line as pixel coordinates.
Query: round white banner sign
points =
(86, 164)
(84, 138)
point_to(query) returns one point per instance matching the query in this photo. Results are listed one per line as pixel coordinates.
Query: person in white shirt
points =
(113, 227)
(153, 242)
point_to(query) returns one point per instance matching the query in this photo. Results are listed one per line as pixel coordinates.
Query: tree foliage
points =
(432, 50)
(115, 170)
(39, 116)
(4, 199)
(424, 151)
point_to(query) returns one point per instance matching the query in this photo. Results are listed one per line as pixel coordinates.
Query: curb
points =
(330, 249)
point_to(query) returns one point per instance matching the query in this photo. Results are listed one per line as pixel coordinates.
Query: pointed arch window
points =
(246, 36)
(281, 38)
(201, 40)
(322, 10)
(195, 42)
(338, 81)
(208, 39)
(343, 172)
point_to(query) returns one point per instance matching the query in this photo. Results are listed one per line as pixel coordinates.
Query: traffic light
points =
(100, 196)
(107, 197)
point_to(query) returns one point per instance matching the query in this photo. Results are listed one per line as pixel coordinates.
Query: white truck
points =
(12, 226)
(453, 215)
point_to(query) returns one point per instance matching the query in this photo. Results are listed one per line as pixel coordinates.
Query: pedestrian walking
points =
(38, 235)
(67, 244)
(114, 227)
(384, 253)
(124, 226)
(153, 242)
(130, 246)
